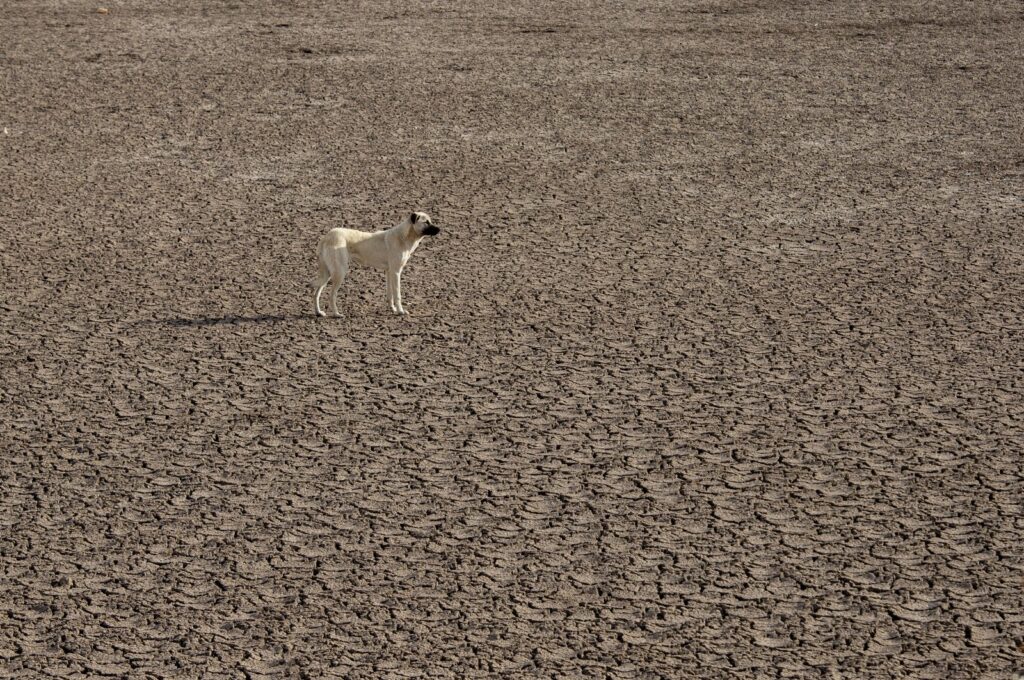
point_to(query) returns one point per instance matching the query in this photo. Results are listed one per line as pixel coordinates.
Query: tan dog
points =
(389, 250)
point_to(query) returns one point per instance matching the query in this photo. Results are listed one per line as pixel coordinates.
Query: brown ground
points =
(715, 370)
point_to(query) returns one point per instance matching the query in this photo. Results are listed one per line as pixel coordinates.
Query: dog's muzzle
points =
(431, 230)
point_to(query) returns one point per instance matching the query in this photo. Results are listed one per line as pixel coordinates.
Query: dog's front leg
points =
(395, 282)
(390, 289)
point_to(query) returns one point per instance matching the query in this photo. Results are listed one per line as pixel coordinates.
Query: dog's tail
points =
(323, 275)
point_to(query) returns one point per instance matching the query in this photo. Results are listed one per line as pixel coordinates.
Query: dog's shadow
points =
(230, 320)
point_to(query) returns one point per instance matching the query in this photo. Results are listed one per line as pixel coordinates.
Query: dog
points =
(389, 249)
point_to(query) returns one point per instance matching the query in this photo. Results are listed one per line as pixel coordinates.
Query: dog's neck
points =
(407, 232)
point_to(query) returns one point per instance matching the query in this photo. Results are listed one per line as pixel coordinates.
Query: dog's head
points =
(421, 225)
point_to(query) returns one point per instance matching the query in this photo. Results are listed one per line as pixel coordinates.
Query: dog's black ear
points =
(413, 217)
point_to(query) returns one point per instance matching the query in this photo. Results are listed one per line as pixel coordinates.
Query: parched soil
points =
(715, 370)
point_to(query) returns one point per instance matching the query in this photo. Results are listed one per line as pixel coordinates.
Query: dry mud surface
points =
(715, 370)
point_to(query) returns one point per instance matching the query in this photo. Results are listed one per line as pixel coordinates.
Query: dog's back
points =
(342, 238)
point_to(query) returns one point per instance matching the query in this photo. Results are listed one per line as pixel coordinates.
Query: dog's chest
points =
(406, 254)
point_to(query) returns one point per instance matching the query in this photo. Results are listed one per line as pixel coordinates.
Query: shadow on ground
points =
(221, 320)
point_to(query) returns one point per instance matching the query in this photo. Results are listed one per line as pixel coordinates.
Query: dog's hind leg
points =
(322, 277)
(337, 262)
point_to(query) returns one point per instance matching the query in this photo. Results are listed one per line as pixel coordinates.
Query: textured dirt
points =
(715, 371)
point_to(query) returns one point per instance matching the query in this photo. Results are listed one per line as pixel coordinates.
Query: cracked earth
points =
(715, 370)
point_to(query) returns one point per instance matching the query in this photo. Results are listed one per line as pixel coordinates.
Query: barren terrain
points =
(714, 371)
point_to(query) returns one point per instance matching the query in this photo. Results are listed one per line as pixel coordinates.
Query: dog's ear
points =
(413, 217)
